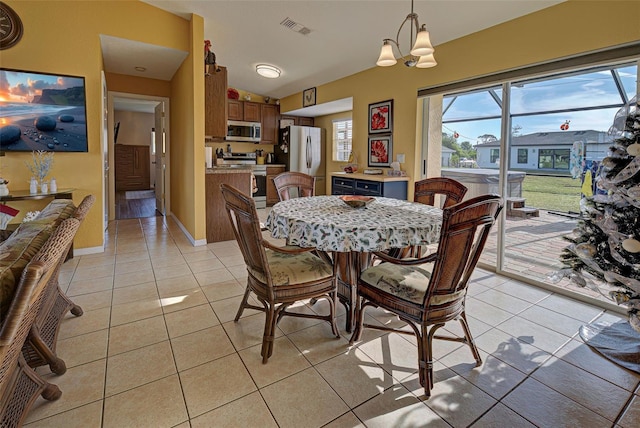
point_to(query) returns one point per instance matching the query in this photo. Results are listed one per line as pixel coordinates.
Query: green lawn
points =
(552, 193)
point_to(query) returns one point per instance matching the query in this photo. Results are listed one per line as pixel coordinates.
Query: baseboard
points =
(88, 250)
(194, 242)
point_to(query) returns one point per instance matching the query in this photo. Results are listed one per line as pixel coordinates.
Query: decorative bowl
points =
(355, 201)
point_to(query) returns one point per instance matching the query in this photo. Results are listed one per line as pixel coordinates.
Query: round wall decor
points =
(10, 27)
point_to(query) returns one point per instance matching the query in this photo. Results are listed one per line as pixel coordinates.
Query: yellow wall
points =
(63, 37)
(187, 137)
(564, 30)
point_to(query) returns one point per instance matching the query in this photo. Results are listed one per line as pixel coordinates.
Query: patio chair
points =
(428, 292)
(293, 184)
(20, 384)
(40, 347)
(278, 276)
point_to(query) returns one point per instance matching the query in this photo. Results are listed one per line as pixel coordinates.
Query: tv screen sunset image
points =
(42, 112)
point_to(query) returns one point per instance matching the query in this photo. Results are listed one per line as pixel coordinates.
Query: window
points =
(523, 156)
(553, 159)
(494, 156)
(342, 134)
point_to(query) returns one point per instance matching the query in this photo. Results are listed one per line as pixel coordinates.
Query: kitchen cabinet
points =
(305, 121)
(243, 110)
(132, 167)
(217, 221)
(215, 105)
(375, 187)
(269, 115)
(296, 120)
(272, 194)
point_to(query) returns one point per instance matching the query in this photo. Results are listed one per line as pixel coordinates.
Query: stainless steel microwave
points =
(243, 131)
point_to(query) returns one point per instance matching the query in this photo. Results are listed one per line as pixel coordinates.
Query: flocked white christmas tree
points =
(605, 247)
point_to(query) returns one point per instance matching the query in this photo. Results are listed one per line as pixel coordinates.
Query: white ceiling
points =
(345, 36)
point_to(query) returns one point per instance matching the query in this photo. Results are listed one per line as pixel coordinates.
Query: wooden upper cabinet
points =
(215, 104)
(251, 111)
(243, 110)
(305, 121)
(235, 110)
(269, 115)
(297, 120)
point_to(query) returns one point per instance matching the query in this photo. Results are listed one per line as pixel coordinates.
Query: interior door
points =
(160, 159)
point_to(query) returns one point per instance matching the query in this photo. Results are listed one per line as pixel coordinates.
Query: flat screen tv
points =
(42, 111)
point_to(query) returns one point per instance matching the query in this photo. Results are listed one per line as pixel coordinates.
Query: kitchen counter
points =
(227, 170)
(371, 177)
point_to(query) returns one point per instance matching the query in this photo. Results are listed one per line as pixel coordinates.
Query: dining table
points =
(351, 235)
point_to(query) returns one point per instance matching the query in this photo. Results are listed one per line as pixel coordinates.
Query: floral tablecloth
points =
(328, 224)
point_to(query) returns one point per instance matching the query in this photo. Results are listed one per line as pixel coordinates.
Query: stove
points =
(244, 160)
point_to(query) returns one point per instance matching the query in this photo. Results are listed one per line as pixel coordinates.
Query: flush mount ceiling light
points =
(421, 54)
(269, 71)
(141, 69)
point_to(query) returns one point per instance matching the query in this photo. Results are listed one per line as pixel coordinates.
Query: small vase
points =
(33, 186)
(4, 190)
(44, 187)
(53, 186)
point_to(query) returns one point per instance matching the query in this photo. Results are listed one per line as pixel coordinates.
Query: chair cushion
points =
(295, 268)
(56, 212)
(407, 282)
(15, 254)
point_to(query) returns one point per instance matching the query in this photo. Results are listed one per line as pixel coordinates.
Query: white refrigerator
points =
(302, 149)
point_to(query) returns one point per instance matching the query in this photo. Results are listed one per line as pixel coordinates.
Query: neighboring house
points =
(447, 153)
(545, 151)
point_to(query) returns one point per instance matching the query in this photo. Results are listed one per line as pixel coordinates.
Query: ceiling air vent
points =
(294, 26)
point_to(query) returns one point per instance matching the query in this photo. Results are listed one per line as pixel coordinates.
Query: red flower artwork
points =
(379, 151)
(379, 118)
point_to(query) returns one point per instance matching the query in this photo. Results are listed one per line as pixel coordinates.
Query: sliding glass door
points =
(538, 142)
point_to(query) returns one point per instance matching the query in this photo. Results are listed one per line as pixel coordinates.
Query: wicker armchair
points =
(426, 293)
(40, 348)
(19, 383)
(293, 184)
(278, 276)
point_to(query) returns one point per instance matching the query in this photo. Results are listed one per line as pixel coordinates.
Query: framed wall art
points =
(309, 97)
(43, 111)
(380, 150)
(381, 117)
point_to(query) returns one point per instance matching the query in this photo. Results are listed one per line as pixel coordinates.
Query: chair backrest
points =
(426, 190)
(29, 295)
(292, 184)
(246, 228)
(84, 207)
(465, 228)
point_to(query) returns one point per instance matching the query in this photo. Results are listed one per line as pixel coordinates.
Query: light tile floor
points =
(157, 346)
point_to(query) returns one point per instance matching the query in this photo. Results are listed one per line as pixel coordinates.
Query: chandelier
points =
(421, 54)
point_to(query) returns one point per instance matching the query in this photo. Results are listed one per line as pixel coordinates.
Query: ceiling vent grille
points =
(294, 26)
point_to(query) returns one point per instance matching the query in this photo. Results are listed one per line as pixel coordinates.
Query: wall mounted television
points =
(42, 111)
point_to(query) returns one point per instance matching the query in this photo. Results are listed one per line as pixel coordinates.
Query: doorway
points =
(140, 143)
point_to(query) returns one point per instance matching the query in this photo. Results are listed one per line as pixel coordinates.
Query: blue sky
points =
(591, 89)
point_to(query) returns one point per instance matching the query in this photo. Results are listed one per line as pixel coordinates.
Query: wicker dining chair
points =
(425, 192)
(20, 385)
(40, 347)
(292, 184)
(427, 292)
(278, 276)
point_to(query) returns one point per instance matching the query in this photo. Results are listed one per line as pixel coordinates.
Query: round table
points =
(328, 224)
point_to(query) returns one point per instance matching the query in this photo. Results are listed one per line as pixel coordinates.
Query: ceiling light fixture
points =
(140, 69)
(269, 71)
(421, 54)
